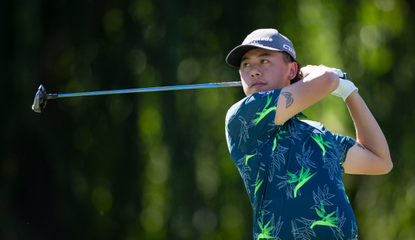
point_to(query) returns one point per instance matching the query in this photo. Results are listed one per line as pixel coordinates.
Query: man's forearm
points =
(368, 132)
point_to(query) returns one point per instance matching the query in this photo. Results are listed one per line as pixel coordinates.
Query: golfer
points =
(292, 168)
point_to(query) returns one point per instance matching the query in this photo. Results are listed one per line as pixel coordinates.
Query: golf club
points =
(42, 96)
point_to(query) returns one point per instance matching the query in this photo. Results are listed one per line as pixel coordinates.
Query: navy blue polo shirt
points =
(291, 172)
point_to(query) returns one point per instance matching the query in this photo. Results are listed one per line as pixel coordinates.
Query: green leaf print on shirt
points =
(265, 230)
(278, 137)
(319, 140)
(257, 183)
(326, 220)
(264, 111)
(301, 179)
(248, 157)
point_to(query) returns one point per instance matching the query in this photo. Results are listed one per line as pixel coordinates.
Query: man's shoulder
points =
(313, 127)
(253, 99)
(233, 110)
(314, 124)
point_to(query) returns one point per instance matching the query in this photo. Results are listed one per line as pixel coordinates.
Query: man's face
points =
(263, 70)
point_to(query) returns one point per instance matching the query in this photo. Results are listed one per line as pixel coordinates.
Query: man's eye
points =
(246, 64)
(264, 61)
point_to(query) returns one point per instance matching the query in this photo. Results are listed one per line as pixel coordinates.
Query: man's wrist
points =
(344, 89)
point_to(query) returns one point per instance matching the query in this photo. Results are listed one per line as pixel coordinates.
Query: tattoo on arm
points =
(360, 145)
(289, 97)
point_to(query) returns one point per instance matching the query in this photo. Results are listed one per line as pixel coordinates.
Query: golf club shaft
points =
(150, 89)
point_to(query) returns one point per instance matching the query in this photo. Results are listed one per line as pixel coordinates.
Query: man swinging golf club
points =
(292, 168)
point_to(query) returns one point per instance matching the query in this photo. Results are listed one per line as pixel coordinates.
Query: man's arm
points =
(318, 82)
(370, 154)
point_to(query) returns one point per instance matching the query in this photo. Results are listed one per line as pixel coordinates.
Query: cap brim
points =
(235, 56)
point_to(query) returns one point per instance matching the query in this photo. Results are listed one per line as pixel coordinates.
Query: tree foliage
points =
(156, 165)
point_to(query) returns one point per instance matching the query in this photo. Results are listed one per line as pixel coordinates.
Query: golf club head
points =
(40, 100)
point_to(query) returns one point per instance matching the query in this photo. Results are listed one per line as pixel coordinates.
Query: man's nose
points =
(255, 72)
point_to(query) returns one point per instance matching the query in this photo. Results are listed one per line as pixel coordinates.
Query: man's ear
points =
(293, 70)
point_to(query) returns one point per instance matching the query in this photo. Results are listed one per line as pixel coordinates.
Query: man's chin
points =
(259, 89)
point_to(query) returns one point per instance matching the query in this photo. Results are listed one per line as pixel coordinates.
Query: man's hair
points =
(288, 59)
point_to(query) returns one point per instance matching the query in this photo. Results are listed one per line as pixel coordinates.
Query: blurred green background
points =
(156, 165)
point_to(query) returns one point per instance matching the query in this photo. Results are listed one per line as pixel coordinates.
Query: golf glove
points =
(345, 87)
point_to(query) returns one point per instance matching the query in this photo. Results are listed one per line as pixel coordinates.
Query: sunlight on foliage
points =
(156, 165)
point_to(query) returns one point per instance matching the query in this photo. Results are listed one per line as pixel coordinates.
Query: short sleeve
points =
(344, 143)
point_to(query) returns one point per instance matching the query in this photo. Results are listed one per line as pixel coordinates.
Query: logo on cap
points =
(288, 48)
(256, 40)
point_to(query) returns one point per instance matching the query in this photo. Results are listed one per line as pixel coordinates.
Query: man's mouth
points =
(257, 84)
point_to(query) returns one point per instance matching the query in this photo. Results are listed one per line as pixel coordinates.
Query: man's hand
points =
(345, 87)
(309, 69)
(318, 82)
